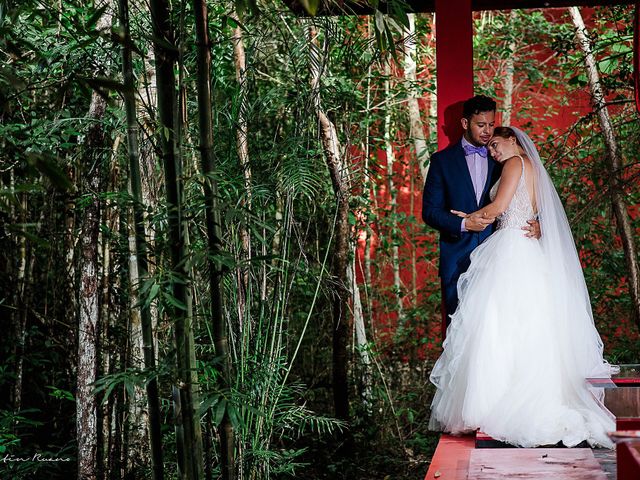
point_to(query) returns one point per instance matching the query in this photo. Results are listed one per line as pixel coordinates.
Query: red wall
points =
(547, 103)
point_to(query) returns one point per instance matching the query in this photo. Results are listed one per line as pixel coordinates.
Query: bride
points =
(522, 341)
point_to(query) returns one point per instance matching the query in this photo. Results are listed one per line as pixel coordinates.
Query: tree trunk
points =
(151, 174)
(416, 127)
(243, 156)
(340, 182)
(139, 266)
(368, 190)
(615, 163)
(395, 254)
(214, 227)
(136, 431)
(108, 308)
(414, 253)
(86, 406)
(508, 77)
(361, 335)
(190, 463)
(240, 63)
(19, 314)
(88, 321)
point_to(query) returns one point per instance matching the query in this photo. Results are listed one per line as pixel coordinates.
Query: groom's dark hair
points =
(478, 104)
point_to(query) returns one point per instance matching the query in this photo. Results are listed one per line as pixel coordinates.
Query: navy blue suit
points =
(449, 187)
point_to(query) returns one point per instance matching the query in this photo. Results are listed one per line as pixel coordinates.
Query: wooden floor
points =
(534, 463)
(480, 457)
(459, 458)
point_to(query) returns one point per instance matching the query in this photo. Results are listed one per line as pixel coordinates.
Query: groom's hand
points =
(533, 229)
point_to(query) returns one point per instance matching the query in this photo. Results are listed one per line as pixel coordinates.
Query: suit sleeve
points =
(435, 211)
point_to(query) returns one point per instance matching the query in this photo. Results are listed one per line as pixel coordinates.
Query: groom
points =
(459, 178)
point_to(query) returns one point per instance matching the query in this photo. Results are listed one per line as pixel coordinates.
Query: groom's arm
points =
(435, 211)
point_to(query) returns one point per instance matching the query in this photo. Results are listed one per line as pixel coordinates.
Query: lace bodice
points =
(520, 209)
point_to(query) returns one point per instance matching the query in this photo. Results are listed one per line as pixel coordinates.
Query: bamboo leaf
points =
(93, 19)
(103, 83)
(244, 6)
(49, 167)
(219, 413)
(173, 301)
(153, 294)
(20, 230)
(12, 79)
(233, 417)
(311, 6)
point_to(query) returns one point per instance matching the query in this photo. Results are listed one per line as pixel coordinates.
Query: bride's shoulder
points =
(513, 163)
(511, 168)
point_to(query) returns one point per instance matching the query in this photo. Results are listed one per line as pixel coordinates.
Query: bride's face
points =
(502, 149)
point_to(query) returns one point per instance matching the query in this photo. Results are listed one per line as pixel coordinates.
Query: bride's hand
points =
(482, 217)
(475, 222)
(460, 214)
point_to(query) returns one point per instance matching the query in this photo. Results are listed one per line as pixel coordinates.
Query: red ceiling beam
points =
(510, 4)
(361, 7)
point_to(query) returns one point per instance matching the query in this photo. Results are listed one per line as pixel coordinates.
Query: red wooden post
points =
(628, 460)
(454, 74)
(454, 65)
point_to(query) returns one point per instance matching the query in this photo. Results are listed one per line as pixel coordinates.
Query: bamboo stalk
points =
(165, 56)
(214, 227)
(140, 248)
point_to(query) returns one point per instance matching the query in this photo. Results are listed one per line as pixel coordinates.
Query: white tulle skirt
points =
(509, 367)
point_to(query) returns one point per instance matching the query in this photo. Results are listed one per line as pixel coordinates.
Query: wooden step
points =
(621, 391)
(485, 441)
(534, 463)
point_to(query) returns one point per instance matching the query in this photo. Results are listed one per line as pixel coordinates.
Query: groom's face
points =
(478, 129)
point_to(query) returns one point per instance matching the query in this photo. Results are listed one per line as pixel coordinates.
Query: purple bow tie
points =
(469, 149)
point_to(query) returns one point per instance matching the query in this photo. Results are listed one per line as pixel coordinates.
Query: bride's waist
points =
(513, 222)
(514, 226)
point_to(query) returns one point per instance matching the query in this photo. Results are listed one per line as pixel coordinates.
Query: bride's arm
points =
(511, 171)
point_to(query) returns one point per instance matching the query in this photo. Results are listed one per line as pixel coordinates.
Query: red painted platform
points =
(451, 458)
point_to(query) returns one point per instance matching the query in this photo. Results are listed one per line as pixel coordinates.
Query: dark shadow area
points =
(452, 127)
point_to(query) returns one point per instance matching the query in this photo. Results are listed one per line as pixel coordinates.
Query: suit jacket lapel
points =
(461, 166)
(491, 165)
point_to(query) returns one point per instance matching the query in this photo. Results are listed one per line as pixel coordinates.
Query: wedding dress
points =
(523, 341)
